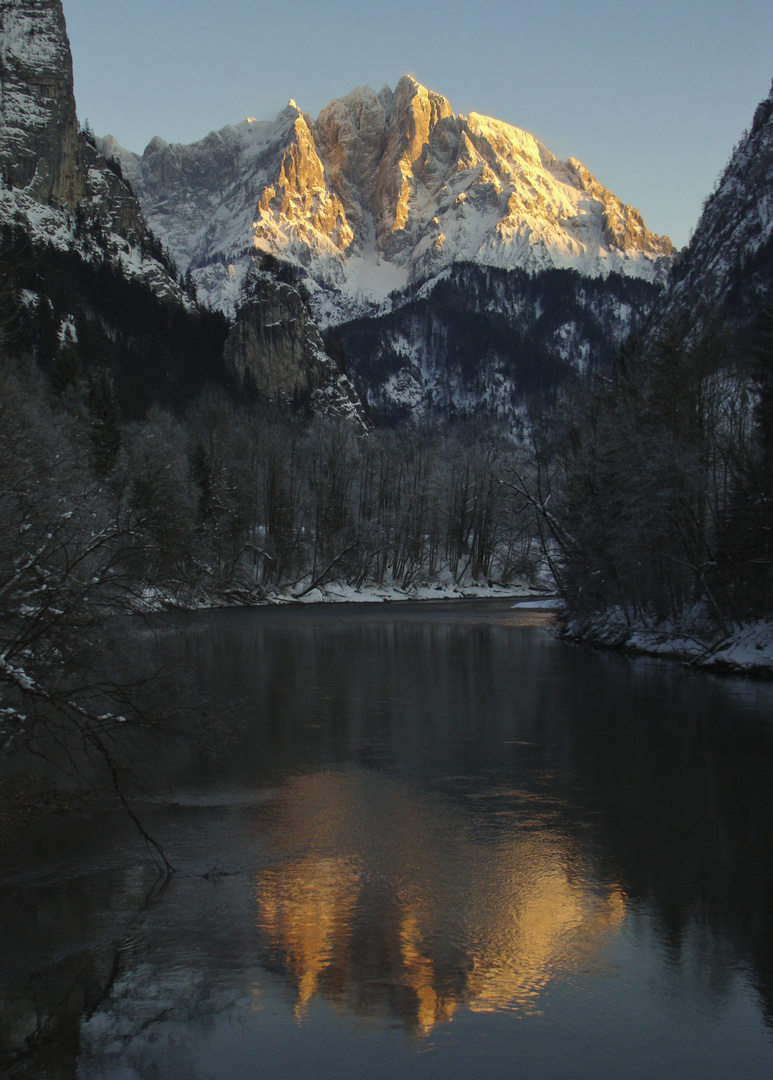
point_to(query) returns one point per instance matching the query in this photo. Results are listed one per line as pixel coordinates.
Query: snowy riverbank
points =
(193, 599)
(449, 590)
(746, 650)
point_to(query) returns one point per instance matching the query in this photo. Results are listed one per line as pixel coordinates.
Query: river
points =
(429, 840)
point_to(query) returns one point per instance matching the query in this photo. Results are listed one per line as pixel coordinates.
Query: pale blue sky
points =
(650, 96)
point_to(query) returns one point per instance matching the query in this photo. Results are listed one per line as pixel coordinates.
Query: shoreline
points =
(746, 652)
(334, 593)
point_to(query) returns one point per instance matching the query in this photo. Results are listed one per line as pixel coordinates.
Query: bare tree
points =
(71, 691)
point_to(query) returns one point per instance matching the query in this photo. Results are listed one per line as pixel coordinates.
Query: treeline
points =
(480, 327)
(241, 499)
(245, 500)
(653, 488)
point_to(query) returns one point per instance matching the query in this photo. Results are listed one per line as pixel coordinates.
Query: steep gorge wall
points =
(727, 271)
(38, 124)
(44, 158)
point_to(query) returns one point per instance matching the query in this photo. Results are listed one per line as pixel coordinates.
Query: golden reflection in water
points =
(306, 908)
(419, 974)
(390, 902)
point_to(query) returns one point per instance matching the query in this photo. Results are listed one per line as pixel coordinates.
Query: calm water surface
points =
(441, 844)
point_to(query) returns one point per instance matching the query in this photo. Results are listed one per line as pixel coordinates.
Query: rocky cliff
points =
(727, 270)
(38, 126)
(275, 350)
(53, 180)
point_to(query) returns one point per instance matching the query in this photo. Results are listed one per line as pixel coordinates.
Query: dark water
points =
(444, 844)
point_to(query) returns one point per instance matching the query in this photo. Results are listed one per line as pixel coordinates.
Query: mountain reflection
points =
(385, 901)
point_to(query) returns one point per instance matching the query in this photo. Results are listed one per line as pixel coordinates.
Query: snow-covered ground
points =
(539, 603)
(342, 593)
(332, 593)
(745, 650)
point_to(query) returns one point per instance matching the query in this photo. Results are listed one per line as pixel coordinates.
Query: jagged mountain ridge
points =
(382, 190)
(726, 272)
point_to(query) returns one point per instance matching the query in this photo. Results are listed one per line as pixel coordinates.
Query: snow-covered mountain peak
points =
(411, 94)
(381, 189)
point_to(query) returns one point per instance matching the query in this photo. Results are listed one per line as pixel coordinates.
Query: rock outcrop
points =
(53, 180)
(275, 350)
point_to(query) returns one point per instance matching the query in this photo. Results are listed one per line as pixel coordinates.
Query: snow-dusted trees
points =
(68, 688)
(333, 462)
(56, 555)
(481, 518)
(224, 468)
(298, 505)
(746, 533)
(638, 485)
(414, 505)
(158, 495)
(281, 514)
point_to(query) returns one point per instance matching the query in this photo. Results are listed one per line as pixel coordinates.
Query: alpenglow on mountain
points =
(381, 191)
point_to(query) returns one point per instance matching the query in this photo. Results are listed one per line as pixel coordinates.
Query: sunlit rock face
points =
(383, 189)
(251, 188)
(416, 157)
(353, 132)
(482, 922)
(298, 199)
